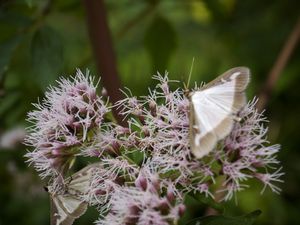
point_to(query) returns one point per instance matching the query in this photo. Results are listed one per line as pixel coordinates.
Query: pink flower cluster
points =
(147, 202)
(62, 123)
(146, 169)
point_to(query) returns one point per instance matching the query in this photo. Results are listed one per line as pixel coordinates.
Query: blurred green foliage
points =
(43, 39)
(248, 219)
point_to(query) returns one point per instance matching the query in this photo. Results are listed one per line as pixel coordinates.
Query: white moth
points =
(213, 109)
(67, 205)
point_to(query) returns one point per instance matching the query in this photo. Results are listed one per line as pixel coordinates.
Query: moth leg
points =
(196, 129)
(236, 118)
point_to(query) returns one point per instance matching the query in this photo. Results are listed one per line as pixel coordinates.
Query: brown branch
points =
(279, 65)
(103, 50)
(128, 26)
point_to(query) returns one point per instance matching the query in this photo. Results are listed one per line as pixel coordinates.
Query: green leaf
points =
(160, 42)
(46, 55)
(9, 102)
(247, 219)
(7, 49)
(136, 156)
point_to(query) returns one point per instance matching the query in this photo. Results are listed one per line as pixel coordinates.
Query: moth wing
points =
(241, 74)
(65, 209)
(213, 108)
(73, 207)
(80, 181)
(56, 212)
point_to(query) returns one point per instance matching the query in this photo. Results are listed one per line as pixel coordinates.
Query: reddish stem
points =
(103, 50)
(279, 65)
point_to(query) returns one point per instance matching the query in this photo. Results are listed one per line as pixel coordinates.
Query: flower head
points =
(145, 170)
(143, 204)
(246, 153)
(62, 122)
(162, 132)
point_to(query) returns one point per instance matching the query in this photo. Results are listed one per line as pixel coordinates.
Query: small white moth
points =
(67, 205)
(213, 109)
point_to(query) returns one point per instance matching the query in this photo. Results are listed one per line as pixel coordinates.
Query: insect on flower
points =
(144, 171)
(213, 109)
(67, 203)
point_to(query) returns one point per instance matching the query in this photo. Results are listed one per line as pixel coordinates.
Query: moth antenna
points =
(190, 74)
(186, 86)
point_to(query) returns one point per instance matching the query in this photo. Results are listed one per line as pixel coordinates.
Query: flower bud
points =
(170, 194)
(181, 209)
(104, 92)
(164, 206)
(141, 182)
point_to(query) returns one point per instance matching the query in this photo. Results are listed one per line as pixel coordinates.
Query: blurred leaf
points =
(8, 102)
(160, 42)
(46, 55)
(247, 219)
(6, 49)
(200, 11)
(219, 9)
(229, 5)
(29, 2)
(12, 23)
(68, 5)
(37, 3)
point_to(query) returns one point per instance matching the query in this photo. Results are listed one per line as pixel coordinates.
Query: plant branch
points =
(279, 65)
(129, 25)
(103, 50)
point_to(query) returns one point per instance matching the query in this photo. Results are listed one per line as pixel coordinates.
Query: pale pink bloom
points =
(204, 188)
(230, 189)
(120, 166)
(234, 171)
(161, 124)
(248, 153)
(268, 180)
(102, 185)
(105, 141)
(62, 121)
(142, 204)
(111, 173)
(70, 122)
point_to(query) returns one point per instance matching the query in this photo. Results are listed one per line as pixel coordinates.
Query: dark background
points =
(41, 40)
